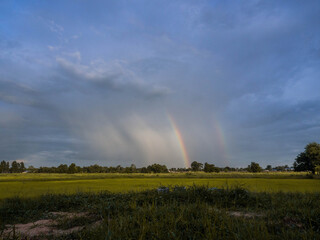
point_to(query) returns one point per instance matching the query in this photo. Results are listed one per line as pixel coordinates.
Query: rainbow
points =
(181, 142)
(216, 130)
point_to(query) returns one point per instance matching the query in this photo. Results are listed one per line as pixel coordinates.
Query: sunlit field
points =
(32, 185)
(160, 206)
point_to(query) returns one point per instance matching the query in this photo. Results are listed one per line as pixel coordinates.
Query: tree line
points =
(308, 160)
(253, 167)
(73, 168)
(16, 167)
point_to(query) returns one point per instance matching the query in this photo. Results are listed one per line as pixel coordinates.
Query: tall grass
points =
(195, 212)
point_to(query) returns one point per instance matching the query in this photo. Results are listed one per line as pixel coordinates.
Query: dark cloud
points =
(111, 76)
(94, 83)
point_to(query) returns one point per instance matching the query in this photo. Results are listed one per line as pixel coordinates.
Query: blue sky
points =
(95, 81)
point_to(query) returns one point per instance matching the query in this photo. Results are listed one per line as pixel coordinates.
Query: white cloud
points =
(54, 27)
(75, 55)
(53, 48)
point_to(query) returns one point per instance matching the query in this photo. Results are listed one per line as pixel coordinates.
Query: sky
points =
(149, 81)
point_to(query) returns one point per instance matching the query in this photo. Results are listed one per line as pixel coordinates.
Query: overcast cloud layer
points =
(94, 81)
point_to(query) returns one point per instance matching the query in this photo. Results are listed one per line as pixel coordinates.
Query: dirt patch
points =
(68, 214)
(245, 214)
(238, 213)
(45, 227)
(292, 222)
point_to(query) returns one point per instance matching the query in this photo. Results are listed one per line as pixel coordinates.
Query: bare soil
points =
(45, 227)
(244, 214)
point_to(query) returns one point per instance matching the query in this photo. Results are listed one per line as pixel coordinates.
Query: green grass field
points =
(277, 206)
(192, 213)
(32, 185)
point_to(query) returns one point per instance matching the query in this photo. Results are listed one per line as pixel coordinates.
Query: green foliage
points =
(16, 167)
(209, 168)
(157, 168)
(195, 212)
(269, 167)
(254, 167)
(281, 168)
(72, 168)
(195, 166)
(309, 159)
(4, 167)
(154, 168)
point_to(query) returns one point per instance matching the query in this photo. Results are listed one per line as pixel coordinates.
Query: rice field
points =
(77, 206)
(33, 185)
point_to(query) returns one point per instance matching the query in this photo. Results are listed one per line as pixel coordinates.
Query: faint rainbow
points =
(218, 131)
(180, 140)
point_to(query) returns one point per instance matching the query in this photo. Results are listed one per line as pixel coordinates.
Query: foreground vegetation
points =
(195, 212)
(32, 185)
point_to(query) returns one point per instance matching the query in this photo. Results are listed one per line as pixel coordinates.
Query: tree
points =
(254, 167)
(133, 168)
(227, 169)
(282, 168)
(309, 159)
(31, 169)
(269, 167)
(72, 168)
(144, 170)
(195, 166)
(14, 167)
(210, 168)
(21, 167)
(119, 169)
(157, 168)
(4, 167)
(62, 168)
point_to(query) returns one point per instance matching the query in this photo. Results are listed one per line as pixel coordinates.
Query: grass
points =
(78, 176)
(196, 212)
(33, 185)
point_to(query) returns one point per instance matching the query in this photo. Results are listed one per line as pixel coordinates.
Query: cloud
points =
(55, 158)
(303, 87)
(245, 71)
(131, 140)
(54, 27)
(111, 76)
(9, 119)
(75, 55)
(16, 93)
(53, 48)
